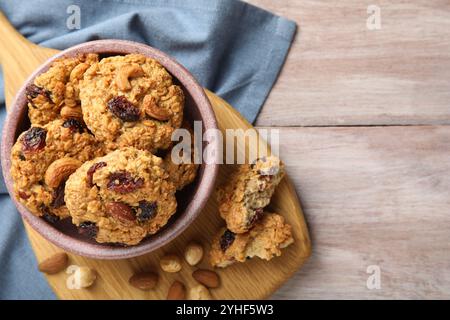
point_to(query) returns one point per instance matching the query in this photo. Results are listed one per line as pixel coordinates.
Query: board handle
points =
(12, 41)
(18, 57)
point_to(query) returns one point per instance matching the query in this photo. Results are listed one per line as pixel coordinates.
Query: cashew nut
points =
(125, 72)
(60, 170)
(78, 71)
(150, 108)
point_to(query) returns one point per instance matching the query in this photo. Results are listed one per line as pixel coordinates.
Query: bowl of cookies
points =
(90, 149)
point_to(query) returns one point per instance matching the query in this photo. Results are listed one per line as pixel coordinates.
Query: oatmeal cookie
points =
(41, 160)
(265, 240)
(121, 197)
(184, 173)
(243, 197)
(131, 101)
(56, 88)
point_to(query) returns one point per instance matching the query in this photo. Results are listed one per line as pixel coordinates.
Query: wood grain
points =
(255, 279)
(18, 57)
(340, 73)
(240, 281)
(372, 196)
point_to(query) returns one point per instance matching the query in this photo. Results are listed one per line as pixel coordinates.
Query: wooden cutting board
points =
(255, 279)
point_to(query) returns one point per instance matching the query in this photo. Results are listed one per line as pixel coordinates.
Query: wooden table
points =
(369, 145)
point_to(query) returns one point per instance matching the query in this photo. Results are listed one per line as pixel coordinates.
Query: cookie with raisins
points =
(131, 101)
(57, 88)
(121, 197)
(243, 197)
(41, 160)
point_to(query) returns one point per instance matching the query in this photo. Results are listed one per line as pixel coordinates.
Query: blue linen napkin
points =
(234, 49)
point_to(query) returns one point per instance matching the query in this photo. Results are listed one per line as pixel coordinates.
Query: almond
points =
(144, 280)
(177, 291)
(120, 211)
(207, 277)
(54, 264)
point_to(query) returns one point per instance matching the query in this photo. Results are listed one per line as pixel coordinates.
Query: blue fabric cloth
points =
(234, 49)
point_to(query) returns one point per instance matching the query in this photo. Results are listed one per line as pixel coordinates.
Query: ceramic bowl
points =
(191, 199)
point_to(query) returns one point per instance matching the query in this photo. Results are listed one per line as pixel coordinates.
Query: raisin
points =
(259, 212)
(22, 157)
(226, 240)
(23, 195)
(58, 196)
(91, 171)
(47, 215)
(146, 211)
(32, 91)
(123, 109)
(262, 159)
(120, 211)
(34, 139)
(88, 229)
(73, 124)
(123, 182)
(160, 153)
(264, 177)
(118, 244)
(50, 217)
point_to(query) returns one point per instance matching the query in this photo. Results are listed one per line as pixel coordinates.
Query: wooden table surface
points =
(363, 118)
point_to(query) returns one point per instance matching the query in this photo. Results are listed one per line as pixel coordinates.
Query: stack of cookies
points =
(89, 155)
(250, 230)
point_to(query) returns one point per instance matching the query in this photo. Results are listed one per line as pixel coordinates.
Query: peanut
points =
(199, 292)
(170, 263)
(81, 277)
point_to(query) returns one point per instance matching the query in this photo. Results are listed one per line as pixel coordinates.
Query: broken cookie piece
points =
(265, 240)
(245, 195)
